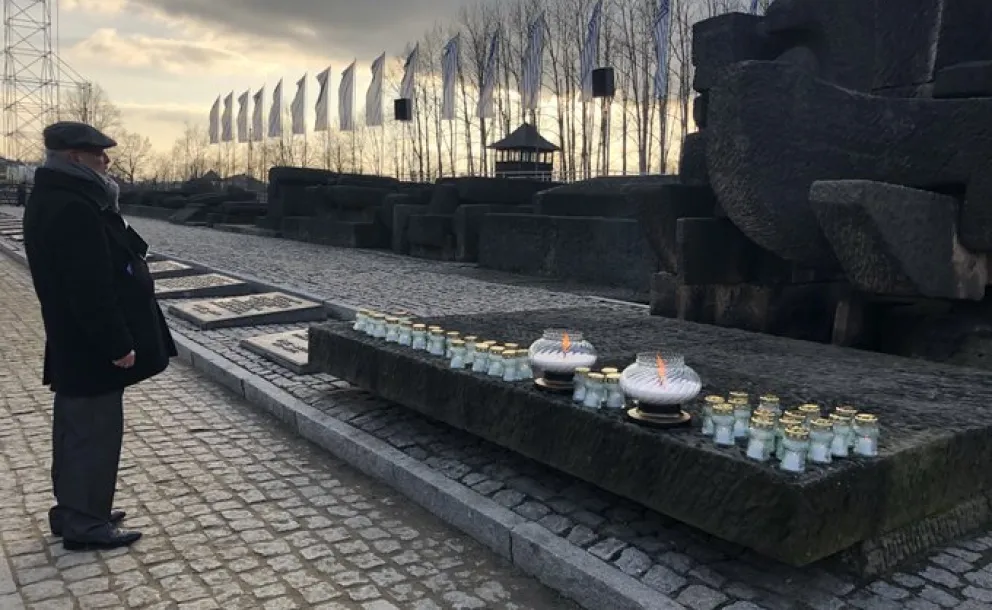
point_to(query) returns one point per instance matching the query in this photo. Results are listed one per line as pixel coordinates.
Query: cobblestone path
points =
(236, 513)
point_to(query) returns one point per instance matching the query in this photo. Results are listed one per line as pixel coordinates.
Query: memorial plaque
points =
(161, 270)
(204, 285)
(290, 350)
(250, 310)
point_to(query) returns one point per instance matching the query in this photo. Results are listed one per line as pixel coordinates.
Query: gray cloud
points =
(342, 27)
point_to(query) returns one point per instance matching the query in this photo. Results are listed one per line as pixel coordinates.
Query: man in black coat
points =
(104, 329)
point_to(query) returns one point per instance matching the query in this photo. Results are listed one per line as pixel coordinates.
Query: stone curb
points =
(571, 571)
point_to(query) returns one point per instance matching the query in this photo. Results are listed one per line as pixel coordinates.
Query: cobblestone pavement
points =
(236, 513)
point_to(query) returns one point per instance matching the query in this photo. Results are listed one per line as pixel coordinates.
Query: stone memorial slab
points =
(929, 484)
(250, 310)
(290, 350)
(198, 286)
(165, 269)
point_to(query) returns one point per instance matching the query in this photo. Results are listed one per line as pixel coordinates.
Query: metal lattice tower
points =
(30, 76)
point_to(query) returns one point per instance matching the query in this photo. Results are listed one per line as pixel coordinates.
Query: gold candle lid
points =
(610, 370)
(769, 398)
(375, 314)
(433, 327)
(437, 331)
(821, 423)
(737, 401)
(457, 342)
(738, 394)
(837, 418)
(788, 421)
(596, 376)
(846, 411)
(481, 347)
(471, 338)
(582, 370)
(808, 408)
(796, 433)
(406, 323)
(452, 333)
(392, 320)
(497, 349)
(764, 412)
(795, 413)
(488, 342)
(613, 378)
(419, 326)
(511, 345)
(363, 312)
(865, 418)
(510, 353)
(762, 422)
(723, 408)
(714, 400)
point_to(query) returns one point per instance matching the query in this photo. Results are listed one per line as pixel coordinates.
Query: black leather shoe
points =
(115, 538)
(56, 524)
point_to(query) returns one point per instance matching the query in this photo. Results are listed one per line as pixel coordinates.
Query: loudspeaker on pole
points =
(603, 84)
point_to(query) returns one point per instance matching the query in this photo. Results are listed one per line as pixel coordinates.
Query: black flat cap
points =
(70, 135)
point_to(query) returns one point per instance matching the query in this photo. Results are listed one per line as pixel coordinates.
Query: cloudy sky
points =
(163, 62)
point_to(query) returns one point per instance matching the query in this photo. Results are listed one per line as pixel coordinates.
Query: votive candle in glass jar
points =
(392, 330)
(770, 402)
(450, 336)
(742, 417)
(418, 339)
(457, 354)
(480, 364)
(524, 371)
(795, 447)
(470, 342)
(848, 412)
(595, 391)
(810, 412)
(435, 342)
(369, 328)
(379, 326)
(784, 423)
(708, 403)
(765, 413)
(761, 439)
(821, 437)
(840, 444)
(361, 319)
(866, 435)
(406, 333)
(723, 424)
(496, 361)
(614, 395)
(510, 365)
(579, 384)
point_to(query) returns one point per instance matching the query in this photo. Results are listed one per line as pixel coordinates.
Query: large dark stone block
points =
(660, 207)
(505, 191)
(518, 243)
(604, 196)
(432, 236)
(898, 241)
(468, 225)
(936, 450)
(971, 79)
(401, 222)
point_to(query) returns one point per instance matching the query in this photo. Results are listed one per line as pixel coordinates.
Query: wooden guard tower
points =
(524, 154)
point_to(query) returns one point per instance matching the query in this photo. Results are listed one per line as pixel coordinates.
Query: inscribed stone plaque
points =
(161, 270)
(204, 285)
(289, 349)
(251, 310)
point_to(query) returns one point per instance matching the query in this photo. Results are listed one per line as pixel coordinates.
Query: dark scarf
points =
(57, 162)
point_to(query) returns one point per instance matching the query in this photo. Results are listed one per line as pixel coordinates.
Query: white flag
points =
(346, 99)
(275, 113)
(408, 84)
(373, 96)
(662, 24)
(215, 122)
(754, 7)
(587, 59)
(226, 128)
(484, 110)
(243, 116)
(449, 73)
(321, 108)
(298, 108)
(533, 65)
(257, 116)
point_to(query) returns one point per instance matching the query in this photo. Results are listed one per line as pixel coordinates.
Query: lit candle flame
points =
(566, 343)
(660, 365)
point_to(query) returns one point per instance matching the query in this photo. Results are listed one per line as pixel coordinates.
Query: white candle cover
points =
(562, 362)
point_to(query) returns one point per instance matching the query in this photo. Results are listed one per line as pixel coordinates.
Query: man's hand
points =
(126, 362)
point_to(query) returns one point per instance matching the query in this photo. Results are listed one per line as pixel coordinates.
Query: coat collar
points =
(50, 179)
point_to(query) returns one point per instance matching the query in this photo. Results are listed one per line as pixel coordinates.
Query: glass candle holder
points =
(660, 379)
(866, 433)
(470, 342)
(559, 352)
(480, 364)
(840, 444)
(809, 412)
(723, 424)
(821, 437)
(766, 413)
(435, 342)
(761, 439)
(795, 446)
(784, 423)
(418, 339)
(361, 319)
(595, 391)
(770, 402)
(510, 365)
(742, 417)
(849, 412)
(405, 334)
(708, 402)
(496, 361)
(580, 380)
(450, 336)
(524, 372)
(457, 360)
(615, 398)
(392, 330)
(379, 326)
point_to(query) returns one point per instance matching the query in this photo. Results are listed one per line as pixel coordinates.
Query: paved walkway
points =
(236, 513)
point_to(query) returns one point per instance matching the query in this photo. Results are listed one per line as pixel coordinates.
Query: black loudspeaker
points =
(403, 109)
(602, 82)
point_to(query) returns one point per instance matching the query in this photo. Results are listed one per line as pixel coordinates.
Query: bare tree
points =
(89, 103)
(191, 152)
(132, 155)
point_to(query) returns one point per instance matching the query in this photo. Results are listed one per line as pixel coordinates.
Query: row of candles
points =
(792, 437)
